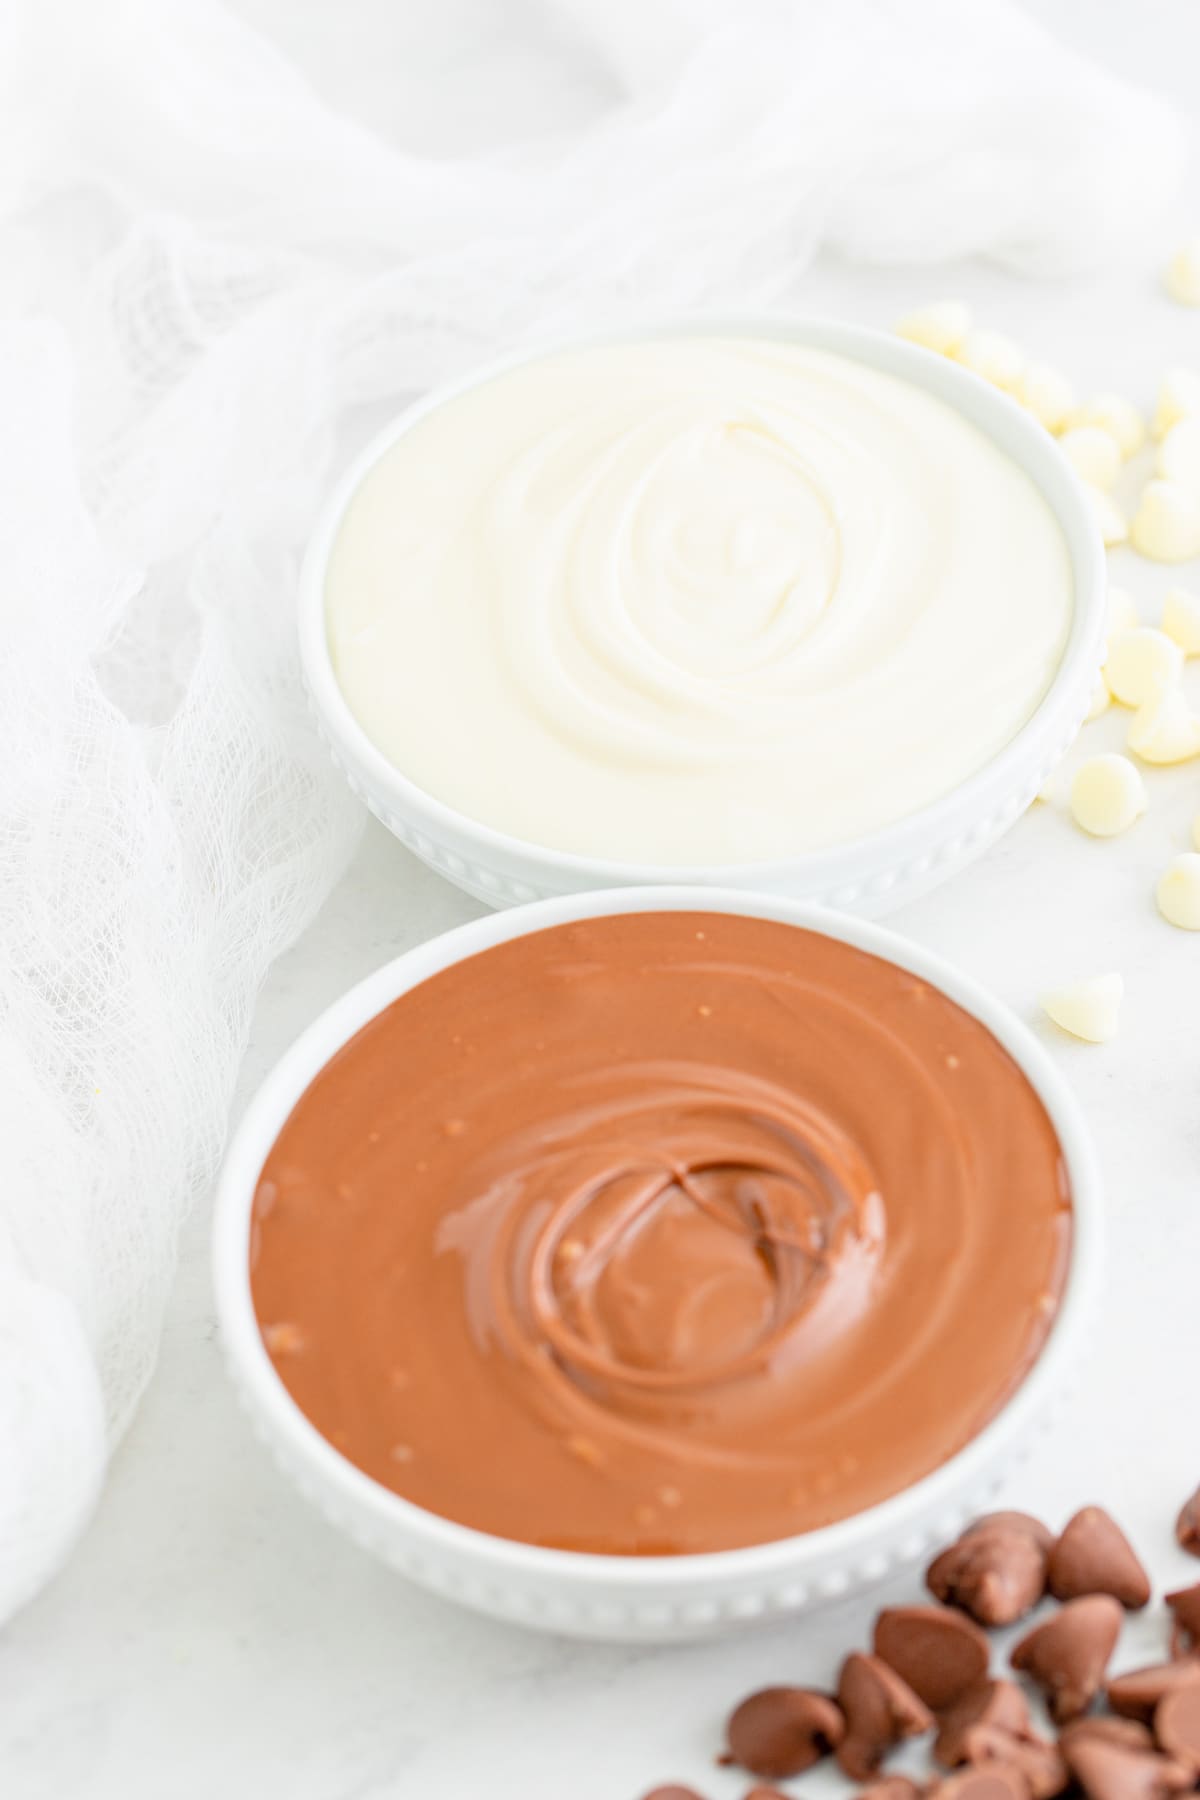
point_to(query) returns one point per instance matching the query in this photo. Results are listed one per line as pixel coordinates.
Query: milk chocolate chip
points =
(1108, 1771)
(1067, 1656)
(990, 1724)
(1041, 1534)
(999, 1704)
(1040, 1763)
(1185, 1611)
(1093, 1556)
(1129, 1733)
(930, 1665)
(995, 1572)
(783, 1730)
(1187, 1525)
(1137, 1694)
(995, 1781)
(880, 1710)
(1177, 1725)
(937, 1651)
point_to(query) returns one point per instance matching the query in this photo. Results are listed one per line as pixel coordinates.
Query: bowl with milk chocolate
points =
(797, 607)
(646, 1263)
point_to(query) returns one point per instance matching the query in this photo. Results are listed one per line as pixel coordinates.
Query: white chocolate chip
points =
(1182, 276)
(1178, 398)
(1045, 392)
(1111, 522)
(1099, 703)
(1181, 619)
(1116, 415)
(1179, 455)
(1088, 1009)
(941, 326)
(1107, 795)
(1178, 891)
(1093, 454)
(1122, 612)
(1165, 730)
(994, 356)
(1142, 664)
(1166, 526)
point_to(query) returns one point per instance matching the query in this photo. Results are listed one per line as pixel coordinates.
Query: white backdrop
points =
(188, 393)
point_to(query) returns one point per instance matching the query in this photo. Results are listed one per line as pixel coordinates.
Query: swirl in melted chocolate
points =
(660, 1233)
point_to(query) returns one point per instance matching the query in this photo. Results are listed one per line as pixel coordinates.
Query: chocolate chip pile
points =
(928, 1671)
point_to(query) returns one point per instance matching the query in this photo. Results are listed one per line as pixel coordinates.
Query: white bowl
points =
(868, 875)
(652, 1598)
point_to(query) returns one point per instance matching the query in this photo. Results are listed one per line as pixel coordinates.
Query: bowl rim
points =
(997, 414)
(900, 1513)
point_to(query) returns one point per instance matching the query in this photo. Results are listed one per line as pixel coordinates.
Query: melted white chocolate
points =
(695, 600)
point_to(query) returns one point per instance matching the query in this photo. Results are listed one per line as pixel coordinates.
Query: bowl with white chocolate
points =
(647, 1263)
(797, 607)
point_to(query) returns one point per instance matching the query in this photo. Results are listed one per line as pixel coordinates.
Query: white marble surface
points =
(213, 1636)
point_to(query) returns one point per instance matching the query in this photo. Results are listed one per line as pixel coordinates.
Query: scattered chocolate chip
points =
(930, 1667)
(1043, 1766)
(1067, 1656)
(1041, 1534)
(995, 1572)
(1108, 1771)
(1093, 1556)
(991, 1723)
(936, 1650)
(1177, 1725)
(880, 1710)
(1129, 1733)
(783, 1730)
(1041, 1763)
(1187, 1525)
(1137, 1694)
(995, 1781)
(1185, 1611)
(999, 1704)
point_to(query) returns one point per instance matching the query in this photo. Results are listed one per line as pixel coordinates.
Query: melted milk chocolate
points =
(660, 1233)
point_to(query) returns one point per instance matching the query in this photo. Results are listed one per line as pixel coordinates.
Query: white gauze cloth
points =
(203, 269)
